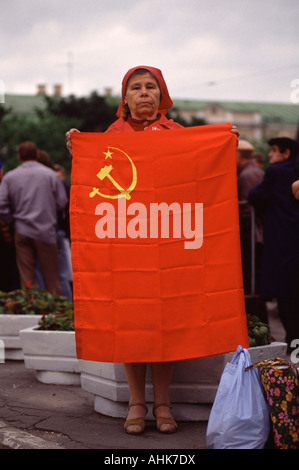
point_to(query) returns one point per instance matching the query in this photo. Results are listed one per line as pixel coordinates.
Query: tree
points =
(47, 127)
(93, 112)
(174, 114)
(47, 132)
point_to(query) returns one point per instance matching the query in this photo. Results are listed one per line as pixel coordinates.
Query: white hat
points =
(244, 145)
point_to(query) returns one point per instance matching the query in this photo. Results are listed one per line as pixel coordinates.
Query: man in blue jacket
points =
(280, 263)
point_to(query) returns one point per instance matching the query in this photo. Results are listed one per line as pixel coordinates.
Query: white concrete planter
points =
(192, 391)
(52, 354)
(10, 326)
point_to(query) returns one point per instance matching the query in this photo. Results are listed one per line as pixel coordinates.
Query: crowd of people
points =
(273, 196)
(34, 200)
(35, 234)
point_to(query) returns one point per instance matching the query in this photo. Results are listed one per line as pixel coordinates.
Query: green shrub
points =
(57, 311)
(258, 332)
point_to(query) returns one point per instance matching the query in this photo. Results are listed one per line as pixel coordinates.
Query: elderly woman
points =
(144, 103)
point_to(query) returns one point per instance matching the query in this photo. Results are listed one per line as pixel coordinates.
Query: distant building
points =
(28, 104)
(24, 104)
(254, 119)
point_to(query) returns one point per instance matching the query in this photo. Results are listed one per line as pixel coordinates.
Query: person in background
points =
(64, 244)
(295, 192)
(30, 196)
(259, 159)
(280, 263)
(9, 274)
(144, 103)
(6, 247)
(63, 232)
(60, 171)
(1, 170)
(248, 176)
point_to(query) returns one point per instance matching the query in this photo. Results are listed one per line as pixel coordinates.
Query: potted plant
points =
(49, 348)
(19, 309)
(258, 332)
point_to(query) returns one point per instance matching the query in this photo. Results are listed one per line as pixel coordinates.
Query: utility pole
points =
(70, 71)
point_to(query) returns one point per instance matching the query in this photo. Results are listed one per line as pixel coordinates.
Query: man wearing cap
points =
(249, 175)
(280, 262)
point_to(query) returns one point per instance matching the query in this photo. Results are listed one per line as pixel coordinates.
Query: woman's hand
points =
(235, 131)
(68, 139)
(295, 189)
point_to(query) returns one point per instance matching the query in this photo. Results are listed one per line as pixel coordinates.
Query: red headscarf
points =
(165, 103)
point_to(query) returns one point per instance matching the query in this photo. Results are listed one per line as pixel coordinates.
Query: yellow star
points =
(107, 154)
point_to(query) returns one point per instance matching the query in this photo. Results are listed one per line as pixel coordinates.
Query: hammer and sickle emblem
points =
(105, 172)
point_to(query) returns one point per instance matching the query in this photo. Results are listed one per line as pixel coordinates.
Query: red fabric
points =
(166, 101)
(144, 299)
(121, 125)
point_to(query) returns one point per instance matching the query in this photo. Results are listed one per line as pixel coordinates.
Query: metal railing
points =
(252, 216)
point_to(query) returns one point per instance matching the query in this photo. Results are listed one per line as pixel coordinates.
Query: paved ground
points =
(39, 416)
(64, 415)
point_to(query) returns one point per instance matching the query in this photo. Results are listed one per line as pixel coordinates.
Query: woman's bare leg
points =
(162, 375)
(135, 373)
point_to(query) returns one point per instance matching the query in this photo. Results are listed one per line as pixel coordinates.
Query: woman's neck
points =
(140, 124)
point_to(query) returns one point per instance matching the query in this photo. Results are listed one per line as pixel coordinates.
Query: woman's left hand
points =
(68, 138)
(235, 131)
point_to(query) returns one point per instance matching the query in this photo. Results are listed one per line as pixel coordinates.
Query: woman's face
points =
(143, 96)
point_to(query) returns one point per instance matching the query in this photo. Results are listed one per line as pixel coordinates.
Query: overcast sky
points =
(245, 50)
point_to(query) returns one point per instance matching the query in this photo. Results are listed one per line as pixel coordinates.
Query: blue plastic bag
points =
(239, 416)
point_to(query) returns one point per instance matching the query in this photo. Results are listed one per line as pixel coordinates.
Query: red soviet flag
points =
(155, 245)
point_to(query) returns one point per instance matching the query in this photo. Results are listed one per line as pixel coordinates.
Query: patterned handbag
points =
(281, 384)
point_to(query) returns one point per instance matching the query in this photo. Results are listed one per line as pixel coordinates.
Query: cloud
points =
(226, 50)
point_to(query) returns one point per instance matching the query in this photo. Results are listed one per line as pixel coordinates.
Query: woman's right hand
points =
(295, 189)
(68, 139)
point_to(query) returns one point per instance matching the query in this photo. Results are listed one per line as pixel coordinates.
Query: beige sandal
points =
(140, 422)
(161, 420)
